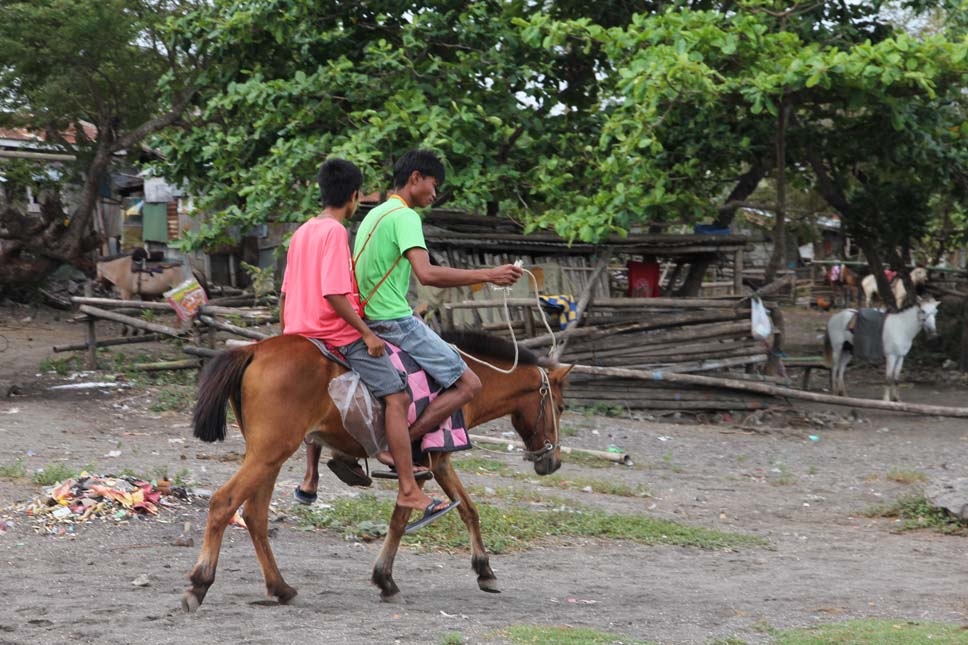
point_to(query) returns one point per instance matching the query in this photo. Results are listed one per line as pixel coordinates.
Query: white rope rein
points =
(514, 340)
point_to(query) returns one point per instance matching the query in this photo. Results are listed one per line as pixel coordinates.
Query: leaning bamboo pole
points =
(133, 322)
(764, 388)
(618, 457)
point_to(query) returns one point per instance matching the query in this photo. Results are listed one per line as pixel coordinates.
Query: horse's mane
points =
(490, 346)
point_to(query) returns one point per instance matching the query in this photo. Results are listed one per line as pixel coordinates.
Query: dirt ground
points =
(804, 488)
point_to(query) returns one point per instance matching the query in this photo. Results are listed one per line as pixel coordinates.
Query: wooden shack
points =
(709, 334)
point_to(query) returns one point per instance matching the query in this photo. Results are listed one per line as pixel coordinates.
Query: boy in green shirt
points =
(389, 247)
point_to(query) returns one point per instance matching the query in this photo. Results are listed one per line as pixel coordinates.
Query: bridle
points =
(546, 396)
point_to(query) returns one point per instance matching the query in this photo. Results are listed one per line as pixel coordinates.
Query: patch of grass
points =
(906, 476)
(451, 638)
(63, 365)
(568, 430)
(916, 513)
(875, 632)
(557, 480)
(173, 398)
(546, 634)
(50, 475)
(784, 477)
(516, 528)
(589, 461)
(181, 477)
(729, 640)
(15, 470)
(602, 410)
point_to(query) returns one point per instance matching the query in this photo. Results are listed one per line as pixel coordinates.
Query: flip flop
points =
(303, 497)
(430, 515)
(420, 475)
(348, 474)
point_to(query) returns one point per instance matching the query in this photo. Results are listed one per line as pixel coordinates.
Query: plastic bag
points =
(761, 327)
(362, 414)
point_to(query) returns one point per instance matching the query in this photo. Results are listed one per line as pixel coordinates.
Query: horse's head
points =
(538, 421)
(927, 312)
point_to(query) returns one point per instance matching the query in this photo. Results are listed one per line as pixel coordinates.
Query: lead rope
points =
(514, 340)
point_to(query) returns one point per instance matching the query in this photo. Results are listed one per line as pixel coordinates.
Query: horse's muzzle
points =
(547, 464)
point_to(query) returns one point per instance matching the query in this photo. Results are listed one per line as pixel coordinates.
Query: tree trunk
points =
(744, 188)
(877, 268)
(778, 258)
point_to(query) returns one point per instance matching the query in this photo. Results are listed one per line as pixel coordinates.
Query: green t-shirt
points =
(396, 228)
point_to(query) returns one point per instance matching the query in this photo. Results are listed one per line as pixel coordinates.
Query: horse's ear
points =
(561, 373)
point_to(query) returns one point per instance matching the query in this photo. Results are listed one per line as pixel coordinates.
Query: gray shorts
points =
(429, 350)
(377, 372)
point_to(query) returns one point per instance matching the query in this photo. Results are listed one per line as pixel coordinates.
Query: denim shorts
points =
(377, 372)
(431, 352)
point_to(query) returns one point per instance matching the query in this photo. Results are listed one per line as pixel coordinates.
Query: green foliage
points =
(515, 529)
(53, 474)
(262, 279)
(15, 470)
(914, 513)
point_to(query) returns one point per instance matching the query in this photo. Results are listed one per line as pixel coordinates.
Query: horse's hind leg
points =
(221, 509)
(256, 515)
(447, 479)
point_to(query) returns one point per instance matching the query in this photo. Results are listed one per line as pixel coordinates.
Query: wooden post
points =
(963, 359)
(738, 273)
(91, 362)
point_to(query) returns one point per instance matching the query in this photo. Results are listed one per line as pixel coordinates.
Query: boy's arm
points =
(282, 312)
(341, 305)
(437, 276)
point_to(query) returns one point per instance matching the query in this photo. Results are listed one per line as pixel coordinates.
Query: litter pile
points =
(95, 496)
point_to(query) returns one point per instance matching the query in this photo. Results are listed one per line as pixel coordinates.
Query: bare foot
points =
(387, 460)
(420, 501)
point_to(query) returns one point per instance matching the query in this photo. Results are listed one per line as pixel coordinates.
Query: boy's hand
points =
(375, 345)
(505, 275)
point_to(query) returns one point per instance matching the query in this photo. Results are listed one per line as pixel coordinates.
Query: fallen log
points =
(131, 321)
(204, 352)
(773, 390)
(618, 457)
(108, 342)
(240, 331)
(184, 364)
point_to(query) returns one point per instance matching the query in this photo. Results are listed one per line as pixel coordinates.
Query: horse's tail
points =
(220, 380)
(828, 350)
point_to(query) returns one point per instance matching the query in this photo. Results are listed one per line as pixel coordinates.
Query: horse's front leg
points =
(383, 568)
(447, 479)
(889, 382)
(896, 377)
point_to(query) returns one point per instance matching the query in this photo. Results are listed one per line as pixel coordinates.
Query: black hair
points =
(425, 162)
(338, 179)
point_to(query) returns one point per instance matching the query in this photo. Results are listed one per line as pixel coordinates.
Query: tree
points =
(589, 118)
(64, 63)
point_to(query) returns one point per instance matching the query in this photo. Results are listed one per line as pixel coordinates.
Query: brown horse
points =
(278, 389)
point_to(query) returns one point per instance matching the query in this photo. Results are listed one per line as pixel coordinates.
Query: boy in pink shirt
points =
(320, 299)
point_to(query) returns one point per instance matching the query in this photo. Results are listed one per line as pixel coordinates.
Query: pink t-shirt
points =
(319, 264)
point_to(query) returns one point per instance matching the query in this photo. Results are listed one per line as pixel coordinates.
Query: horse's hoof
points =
(393, 598)
(190, 602)
(488, 584)
(285, 595)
